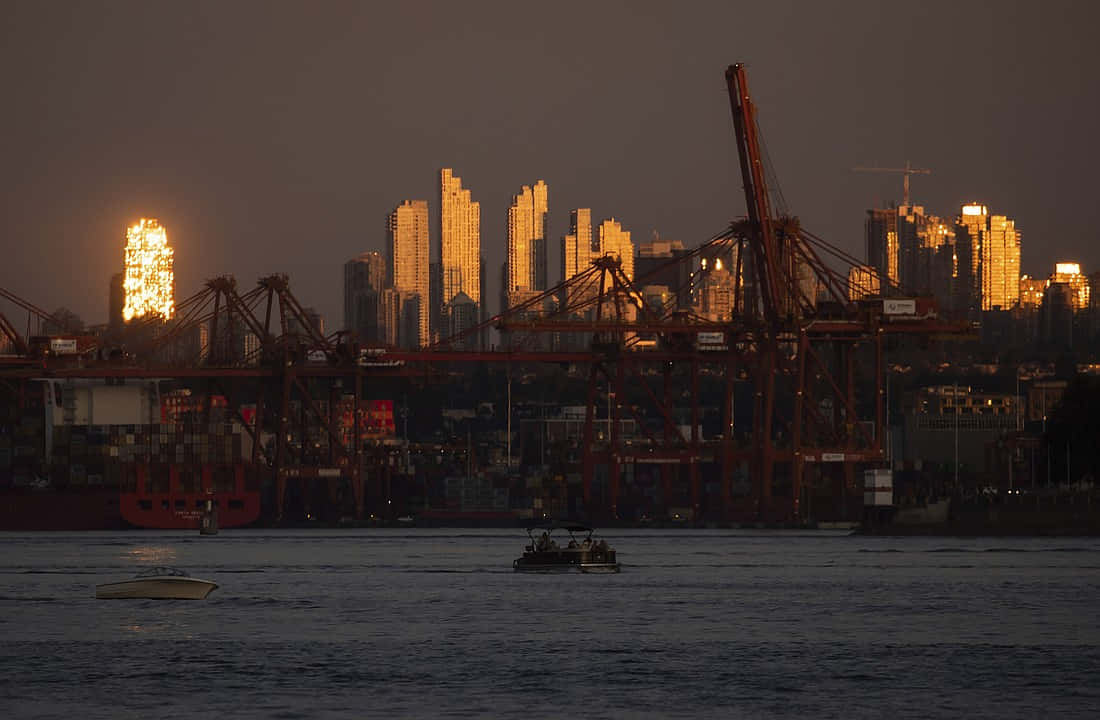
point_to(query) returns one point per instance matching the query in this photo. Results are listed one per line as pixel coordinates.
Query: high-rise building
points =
(883, 251)
(1070, 274)
(314, 324)
(715, 293)
(576, 247)
(435, 305)
(400, 317)
(408, 271)
(149, 284)
(969, 228)
(1031, 292)
(527, 230)
(1000, 264)
(462, 316)
(907, 248)
(460, 240)
(235, 343)
(655, 264)
(364, 279)
(615, 241)
(863, 282)
(1056, 316)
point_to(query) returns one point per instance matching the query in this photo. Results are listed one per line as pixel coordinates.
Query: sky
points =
(277, 136)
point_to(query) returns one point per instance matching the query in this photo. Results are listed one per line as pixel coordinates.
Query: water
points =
(433, 623)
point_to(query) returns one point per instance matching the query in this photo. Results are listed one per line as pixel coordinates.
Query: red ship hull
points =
(170, 497)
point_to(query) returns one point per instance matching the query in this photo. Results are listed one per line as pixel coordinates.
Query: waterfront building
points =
(364, 279)
(460, 243)
(934, 415)
(149, 282)
(408, 269)
(527, 231)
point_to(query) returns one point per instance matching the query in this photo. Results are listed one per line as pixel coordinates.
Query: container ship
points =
(77, 455)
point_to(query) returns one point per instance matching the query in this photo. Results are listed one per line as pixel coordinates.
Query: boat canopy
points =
(161, 571)
(568, 527)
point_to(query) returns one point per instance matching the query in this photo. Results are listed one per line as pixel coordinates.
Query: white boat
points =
(157, 583)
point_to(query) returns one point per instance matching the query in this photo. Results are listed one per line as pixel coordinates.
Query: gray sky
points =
(275, 137)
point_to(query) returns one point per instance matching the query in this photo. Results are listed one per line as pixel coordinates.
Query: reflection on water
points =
(151, 554)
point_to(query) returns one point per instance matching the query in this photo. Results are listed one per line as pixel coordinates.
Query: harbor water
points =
(434, 623)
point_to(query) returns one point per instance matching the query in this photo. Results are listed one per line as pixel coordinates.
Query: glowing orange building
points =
(149, 282)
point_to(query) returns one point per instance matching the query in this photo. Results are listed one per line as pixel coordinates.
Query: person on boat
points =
(543, 542)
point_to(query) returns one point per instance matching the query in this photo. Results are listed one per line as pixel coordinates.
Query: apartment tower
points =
(576, 247)
(459, 243)
(407, 266)
(527, 230)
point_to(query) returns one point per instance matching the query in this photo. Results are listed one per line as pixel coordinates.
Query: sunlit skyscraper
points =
(460, 240)
(1031, 291)
(863, 282)
(408, 273)
(149, 283)
(576, 247)
(1000, 264)
(883, 249)
(1078, 283)
(615, 241)
(969, 230)
(527, 229)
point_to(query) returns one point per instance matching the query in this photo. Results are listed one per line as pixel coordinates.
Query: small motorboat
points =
(545, 555)
(157, 583)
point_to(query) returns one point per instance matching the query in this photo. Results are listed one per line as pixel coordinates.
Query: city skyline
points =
(906, 232)
(247, 174)
(998, 283)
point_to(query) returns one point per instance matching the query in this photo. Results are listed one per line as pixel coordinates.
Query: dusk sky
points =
(275, 137)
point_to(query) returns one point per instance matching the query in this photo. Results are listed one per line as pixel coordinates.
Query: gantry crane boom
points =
(756, 191)
(906, 172)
